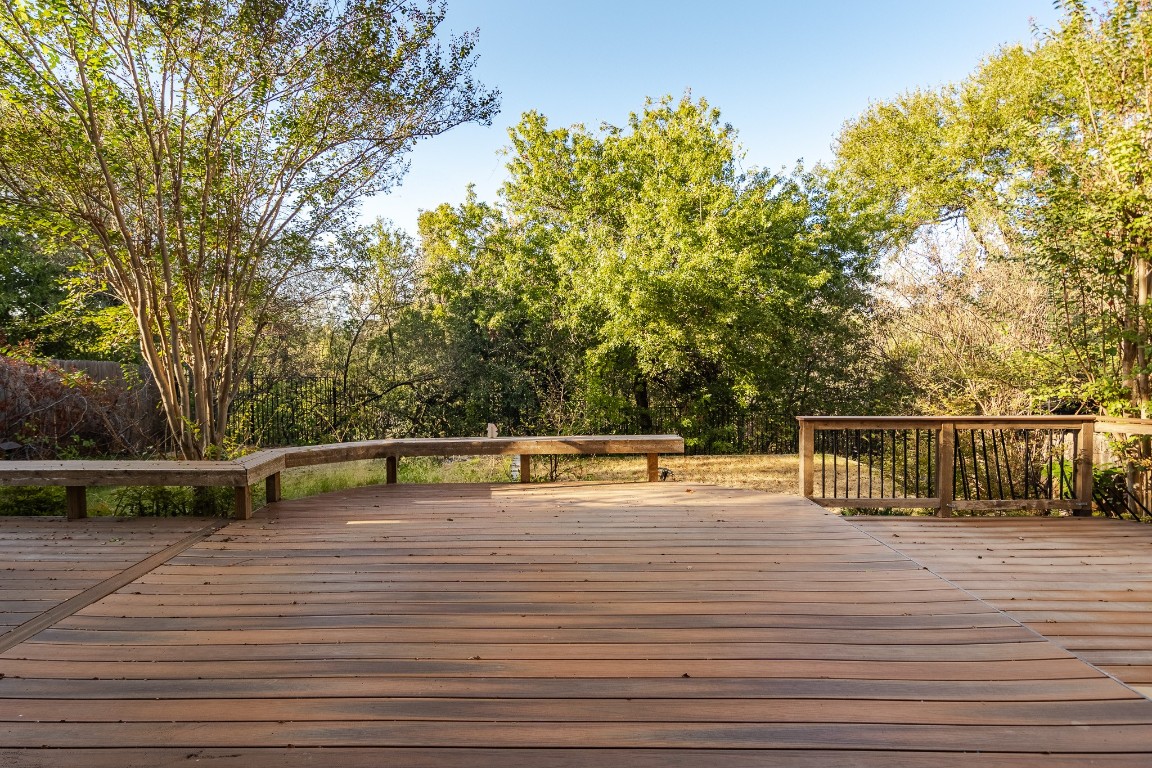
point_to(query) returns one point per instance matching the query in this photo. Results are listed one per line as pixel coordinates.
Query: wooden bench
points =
(243, 473)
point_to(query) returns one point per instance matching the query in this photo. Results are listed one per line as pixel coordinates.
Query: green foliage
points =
(637, 266)
(44, 305)
(201, 154)
(1044, 153)
(31, 500)
(165, 501)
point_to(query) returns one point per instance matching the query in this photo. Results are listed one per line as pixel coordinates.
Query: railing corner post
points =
(807, 467)
(1084, 470)
(945, 470)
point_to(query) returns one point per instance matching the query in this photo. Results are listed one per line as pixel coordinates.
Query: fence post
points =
(945, 469)
(1084, 469)
(807, 467)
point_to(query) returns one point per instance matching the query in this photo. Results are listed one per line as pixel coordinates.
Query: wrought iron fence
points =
(313, 410)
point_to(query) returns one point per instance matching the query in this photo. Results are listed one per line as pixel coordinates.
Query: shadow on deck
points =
(573, 625)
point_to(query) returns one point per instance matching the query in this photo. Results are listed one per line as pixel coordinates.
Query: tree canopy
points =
(1044, 155)
(202, 154)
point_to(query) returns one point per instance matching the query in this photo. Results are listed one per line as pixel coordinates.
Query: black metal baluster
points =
(868, 441)
(859, 490)
(1007, 463)
(1063, 450)
(905, 434)
(823, 464)
(894, 463)
(996, 461)
(975, 462)
(1027, 461)
(959, 463)
(987, 468)
(881, 463)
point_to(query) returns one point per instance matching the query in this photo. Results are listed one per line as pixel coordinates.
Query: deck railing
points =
(948, 463)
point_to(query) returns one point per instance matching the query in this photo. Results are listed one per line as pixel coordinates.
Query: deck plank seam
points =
(1002, 612)
(54, 615)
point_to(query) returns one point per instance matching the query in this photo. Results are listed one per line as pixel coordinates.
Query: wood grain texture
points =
(572, 625)
(1086, 584)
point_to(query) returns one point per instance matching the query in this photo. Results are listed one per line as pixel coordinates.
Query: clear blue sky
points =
(787, 75)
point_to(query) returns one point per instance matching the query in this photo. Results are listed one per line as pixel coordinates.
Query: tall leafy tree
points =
(1045, 154)
(702, 283)
(201, 153)
(636, 267)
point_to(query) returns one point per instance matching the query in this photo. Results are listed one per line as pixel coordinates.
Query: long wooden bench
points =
(243, 473)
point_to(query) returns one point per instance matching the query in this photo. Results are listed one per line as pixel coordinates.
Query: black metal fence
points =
(313, 410)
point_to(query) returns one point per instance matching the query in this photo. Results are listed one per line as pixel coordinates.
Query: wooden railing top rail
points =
(928, 422)
(242, 473)
(1124, 426)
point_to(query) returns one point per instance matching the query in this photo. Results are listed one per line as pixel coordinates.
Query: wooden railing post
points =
(945, 471)
(1084, 469)
(807, 467)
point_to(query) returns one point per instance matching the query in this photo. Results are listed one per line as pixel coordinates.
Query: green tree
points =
(1045, 153)
(53, 310)
(702, 284)
(201, 153)
(635, 268)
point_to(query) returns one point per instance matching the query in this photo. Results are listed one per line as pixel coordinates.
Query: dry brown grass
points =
(772, 473)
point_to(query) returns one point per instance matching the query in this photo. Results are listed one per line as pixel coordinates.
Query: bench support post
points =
(77, 502)
(390, 468)
(525, 467)
(243, 506)
(272, 488)
(653, 467)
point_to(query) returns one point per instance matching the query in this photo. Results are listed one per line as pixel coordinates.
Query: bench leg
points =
(653, 467)
(391, 465)
(77, 502)
(243, 506)
(525, 468)
(272, 488)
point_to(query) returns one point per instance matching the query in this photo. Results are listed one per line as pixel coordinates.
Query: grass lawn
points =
(772, 473)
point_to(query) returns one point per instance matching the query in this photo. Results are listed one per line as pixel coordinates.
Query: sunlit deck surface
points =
(583, 625)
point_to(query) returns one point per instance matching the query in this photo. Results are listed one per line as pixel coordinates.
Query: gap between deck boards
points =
(1144, 691)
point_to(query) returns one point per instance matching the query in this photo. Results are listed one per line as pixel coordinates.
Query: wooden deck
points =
(558, 625)
(1084, 583)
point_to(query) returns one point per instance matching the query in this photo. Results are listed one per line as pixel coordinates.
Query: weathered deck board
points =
(1086, 584)
(579, 625)
(48, 560)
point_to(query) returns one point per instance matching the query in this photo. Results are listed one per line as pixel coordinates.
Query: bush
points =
(54, 413)
(172, 501)
(32, 500)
